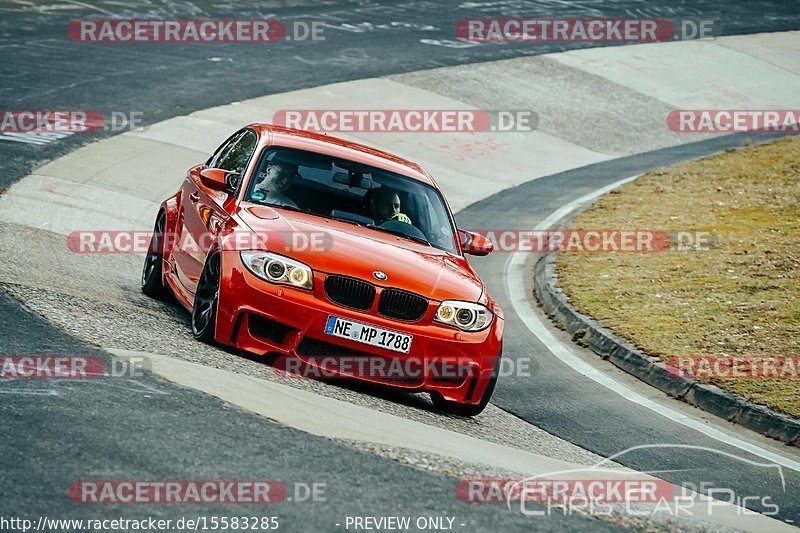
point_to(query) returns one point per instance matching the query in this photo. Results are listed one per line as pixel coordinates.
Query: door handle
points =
(194, 197)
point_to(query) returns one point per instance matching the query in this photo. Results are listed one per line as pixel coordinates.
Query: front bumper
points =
(267, 319)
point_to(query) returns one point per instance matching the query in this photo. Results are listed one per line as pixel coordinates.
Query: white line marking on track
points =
(89, 6)
(33, 392)
(514, 272)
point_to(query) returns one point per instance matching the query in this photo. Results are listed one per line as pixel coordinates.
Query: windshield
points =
(352, 192)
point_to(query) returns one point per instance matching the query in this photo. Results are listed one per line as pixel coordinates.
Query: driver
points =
(278, 177)
(386, 206)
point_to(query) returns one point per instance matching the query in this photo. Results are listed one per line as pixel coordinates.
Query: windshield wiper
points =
(399, 233)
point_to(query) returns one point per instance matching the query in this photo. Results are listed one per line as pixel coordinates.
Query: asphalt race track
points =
(42, 67)
(148, 427)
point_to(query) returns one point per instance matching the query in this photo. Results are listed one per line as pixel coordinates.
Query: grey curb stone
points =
(627, 357)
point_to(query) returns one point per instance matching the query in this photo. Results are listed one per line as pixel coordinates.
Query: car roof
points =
(338, 147)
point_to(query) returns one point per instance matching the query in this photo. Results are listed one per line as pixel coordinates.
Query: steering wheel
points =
(402, 227)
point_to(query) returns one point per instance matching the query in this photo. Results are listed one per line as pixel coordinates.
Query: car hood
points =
(336, 247)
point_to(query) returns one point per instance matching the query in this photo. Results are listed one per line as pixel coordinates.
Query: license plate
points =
(366, 334)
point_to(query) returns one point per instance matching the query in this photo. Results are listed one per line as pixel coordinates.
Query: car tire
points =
(466, 409)
(206, 297)
(152, 271)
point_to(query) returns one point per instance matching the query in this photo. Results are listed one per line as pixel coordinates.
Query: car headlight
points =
(465, 316)
(279, 269)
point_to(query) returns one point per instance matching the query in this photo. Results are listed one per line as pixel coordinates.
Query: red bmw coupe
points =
(345, 258)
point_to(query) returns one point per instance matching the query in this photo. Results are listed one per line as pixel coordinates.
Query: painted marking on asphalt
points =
(34, 137)
(514, 272)
(33, 392)
(89, 6)
(130, 385)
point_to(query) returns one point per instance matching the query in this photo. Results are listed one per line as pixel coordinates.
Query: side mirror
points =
(475, 243)
(214, 178)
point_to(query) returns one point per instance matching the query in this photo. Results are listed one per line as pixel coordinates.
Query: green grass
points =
(741, 298)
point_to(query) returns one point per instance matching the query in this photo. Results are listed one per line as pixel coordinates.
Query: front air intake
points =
(349, 292)
(402, 305)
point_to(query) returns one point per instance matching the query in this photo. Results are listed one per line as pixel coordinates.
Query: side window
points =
(236, 156)
(223, 150)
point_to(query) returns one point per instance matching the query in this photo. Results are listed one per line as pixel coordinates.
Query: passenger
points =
(277, 179)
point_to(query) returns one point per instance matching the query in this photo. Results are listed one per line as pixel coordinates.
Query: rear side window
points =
(223, 149)
(236, 155)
